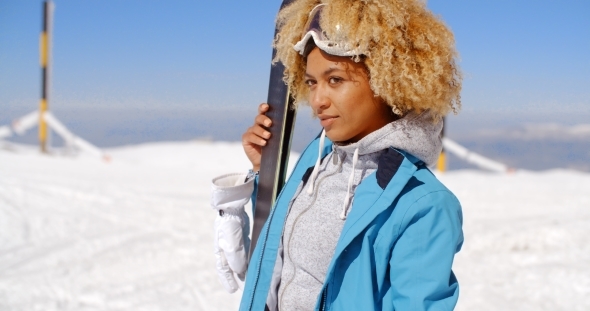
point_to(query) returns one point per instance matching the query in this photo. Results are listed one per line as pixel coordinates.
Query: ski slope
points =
(135, 233)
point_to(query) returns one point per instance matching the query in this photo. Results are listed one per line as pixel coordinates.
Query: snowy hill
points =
(135, 233)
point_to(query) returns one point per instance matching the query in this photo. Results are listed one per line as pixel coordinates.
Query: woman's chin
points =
(338, 138)
(330, 134)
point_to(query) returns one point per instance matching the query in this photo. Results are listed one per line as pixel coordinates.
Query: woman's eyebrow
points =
(325, 73)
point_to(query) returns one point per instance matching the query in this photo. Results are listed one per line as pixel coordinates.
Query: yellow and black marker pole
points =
(441, 165)
(45, 48)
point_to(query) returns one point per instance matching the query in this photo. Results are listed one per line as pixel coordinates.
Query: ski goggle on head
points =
(337, 45)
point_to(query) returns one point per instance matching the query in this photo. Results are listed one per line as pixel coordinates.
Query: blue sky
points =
(517, 56)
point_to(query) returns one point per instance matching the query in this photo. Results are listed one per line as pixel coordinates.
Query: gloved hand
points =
(232, 228)
(231, 247)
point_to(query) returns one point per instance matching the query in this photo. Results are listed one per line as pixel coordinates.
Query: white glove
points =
(232, 228)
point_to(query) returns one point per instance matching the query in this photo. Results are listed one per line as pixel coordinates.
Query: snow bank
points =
(526, 240)
(136, 233)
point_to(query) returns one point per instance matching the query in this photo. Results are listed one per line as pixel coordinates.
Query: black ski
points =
(275, 154)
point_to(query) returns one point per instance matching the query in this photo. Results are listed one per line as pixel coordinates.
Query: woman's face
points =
(340, 95)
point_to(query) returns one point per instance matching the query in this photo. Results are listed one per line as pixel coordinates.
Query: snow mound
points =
(135, 233)
(526, 240)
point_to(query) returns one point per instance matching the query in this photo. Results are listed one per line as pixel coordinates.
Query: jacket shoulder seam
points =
(416, 201)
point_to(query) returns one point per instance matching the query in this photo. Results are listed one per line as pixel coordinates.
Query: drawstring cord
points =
(355, 158)
(316, 168)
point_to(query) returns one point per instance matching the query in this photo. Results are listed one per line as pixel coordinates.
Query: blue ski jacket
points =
(395, 251)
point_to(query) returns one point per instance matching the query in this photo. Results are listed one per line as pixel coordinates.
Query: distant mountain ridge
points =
(537, 131)
(532, 146)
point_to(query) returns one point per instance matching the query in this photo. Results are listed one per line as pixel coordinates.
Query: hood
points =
(415, 133)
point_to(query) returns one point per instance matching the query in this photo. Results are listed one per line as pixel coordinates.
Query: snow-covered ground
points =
(527, 240)
(135, 233)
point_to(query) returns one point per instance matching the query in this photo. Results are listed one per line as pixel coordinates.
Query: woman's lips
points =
(326, 120)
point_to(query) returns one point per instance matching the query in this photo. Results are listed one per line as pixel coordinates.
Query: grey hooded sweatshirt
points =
(318, 211)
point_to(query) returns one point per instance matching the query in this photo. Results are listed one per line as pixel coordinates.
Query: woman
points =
(362, 224)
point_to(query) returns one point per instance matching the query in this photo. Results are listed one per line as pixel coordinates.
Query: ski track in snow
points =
(136, 233)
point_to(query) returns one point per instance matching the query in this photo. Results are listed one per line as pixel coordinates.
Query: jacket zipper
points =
(323, 302)
(260, 260)
(315, 194)
(270, 218)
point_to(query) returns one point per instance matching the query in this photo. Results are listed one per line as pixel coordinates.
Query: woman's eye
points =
(334, 80)
(309, 82)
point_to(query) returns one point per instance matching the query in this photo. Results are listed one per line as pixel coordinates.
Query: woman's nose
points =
(318, 99)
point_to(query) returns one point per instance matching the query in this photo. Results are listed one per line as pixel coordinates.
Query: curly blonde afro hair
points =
(409, 53)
